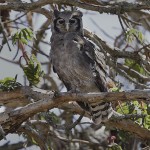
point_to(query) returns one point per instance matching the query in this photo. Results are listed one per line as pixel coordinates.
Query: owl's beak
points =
(67, 26)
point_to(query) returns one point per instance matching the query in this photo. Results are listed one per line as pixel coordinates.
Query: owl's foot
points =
(56, 93)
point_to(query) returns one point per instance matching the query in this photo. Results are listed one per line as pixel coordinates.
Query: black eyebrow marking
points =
(55, 21)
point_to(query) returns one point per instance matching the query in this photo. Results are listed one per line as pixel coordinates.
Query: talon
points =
(56, 93)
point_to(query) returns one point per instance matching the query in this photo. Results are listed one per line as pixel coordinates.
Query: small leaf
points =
(24, 34)
(33, 70)
(114, 147)
(132, 33)
(148, 109)
(8, 84)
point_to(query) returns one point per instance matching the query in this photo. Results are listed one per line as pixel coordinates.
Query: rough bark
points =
(44, 100)
(113, 8)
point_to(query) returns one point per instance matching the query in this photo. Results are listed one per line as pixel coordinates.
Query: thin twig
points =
(76, 122)
(4, 34)
(10, 61)
(145, 46)
(15, 19)
(121, 23)
(134, 22)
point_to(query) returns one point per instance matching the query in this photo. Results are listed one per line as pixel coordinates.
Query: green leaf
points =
(24, 35)
(131, 108)
(132, 64)
(148, 109)
(114, 147)
(136, 107)
(20, 35)
(50, 116)
(140, 37)
(8, 84)
(115, 89)
(24, 41)
(132, 33)
(33, 70)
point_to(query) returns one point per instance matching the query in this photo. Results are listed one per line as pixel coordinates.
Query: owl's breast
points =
(72, 67)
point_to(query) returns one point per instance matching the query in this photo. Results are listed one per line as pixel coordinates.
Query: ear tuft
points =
(77, 13)
(56, 13)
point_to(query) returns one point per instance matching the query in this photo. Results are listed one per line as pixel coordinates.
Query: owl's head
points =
(67, 21)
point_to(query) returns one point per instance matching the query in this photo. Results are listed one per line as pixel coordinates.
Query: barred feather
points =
(101, 112)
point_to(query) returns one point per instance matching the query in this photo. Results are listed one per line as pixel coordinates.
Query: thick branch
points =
(10, 121)
(8, 98)
(114, 8)
(13, 99)
(115, 52)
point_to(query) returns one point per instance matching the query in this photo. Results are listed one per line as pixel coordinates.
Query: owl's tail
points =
(101, 112)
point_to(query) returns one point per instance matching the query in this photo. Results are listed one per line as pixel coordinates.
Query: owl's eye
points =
(61, 21)
(72, 21)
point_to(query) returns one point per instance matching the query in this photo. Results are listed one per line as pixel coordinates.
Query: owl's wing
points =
(96, 58)
(100, 111)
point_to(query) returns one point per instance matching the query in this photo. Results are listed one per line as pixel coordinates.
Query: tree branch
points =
(114, 8)
(7, 98)
(11, 121)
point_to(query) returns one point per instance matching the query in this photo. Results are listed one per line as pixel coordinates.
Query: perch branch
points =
(45, 100)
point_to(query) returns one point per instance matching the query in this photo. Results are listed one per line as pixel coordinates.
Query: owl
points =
(77, 62)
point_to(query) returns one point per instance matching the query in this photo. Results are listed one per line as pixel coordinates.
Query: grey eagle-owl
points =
(76, 63)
